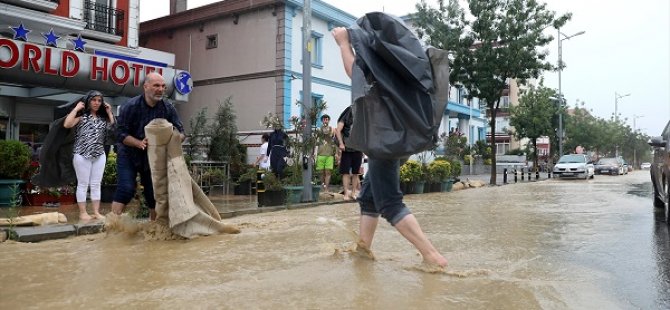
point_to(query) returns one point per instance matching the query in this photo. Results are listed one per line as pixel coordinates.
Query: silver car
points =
(660, 171)
(574, 166)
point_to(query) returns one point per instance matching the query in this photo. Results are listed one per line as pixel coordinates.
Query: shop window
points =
(212, 41)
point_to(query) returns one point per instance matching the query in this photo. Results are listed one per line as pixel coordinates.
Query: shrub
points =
(15, 159)
(455, 168)
(411, 171)
(109, 176)
(439, 170)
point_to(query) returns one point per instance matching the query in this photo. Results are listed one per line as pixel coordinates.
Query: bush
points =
(411, 171)
(439, 170)
(109, 176)
(487, 161)
(271, 182)
(15, 159)
(455, 168)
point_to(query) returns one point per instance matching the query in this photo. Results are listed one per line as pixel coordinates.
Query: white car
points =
(574, 166)
(645, 165)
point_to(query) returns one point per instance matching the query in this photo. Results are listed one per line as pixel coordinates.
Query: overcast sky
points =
(626, 49)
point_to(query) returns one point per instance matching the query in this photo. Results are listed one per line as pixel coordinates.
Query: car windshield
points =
(608, 161)
(572, 159)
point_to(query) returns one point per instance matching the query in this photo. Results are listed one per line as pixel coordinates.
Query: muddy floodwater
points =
(558, 244)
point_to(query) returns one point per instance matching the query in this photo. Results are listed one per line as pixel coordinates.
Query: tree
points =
(224, 145)
(532, 118)
(497, 41)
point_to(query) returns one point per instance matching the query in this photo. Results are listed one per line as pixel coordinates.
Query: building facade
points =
(251, 52)
(52, 52)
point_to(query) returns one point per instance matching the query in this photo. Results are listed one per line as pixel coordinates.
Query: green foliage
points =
(199, 133)
(455, 168)
(109, 176)
(533, 117)
(271, 182)
(487, 161)
(223, 144)
(411, 171)
(455, 145)
(248, 175)
(495, 40)
(13, 210)
(439, 170)
(15, 159)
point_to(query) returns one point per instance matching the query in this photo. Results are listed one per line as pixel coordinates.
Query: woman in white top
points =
(263, 160)
(92, 119)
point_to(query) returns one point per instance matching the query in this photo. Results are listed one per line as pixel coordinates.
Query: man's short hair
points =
(325, 116)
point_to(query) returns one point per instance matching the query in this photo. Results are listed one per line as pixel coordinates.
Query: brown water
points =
(551, 245)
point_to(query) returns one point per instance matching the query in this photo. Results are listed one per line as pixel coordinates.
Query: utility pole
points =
(307, 99)
(560, 92)
(616, 116)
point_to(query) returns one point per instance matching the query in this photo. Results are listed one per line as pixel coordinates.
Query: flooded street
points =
(558, 244)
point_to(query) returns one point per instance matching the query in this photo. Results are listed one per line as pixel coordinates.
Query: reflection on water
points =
(553, 244)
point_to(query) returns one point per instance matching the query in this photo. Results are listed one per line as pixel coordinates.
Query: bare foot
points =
(98, 216)
(84, 217)
(347, 197)
(363, 251)
(436, 260)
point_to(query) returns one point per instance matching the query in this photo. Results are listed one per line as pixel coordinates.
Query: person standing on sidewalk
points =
(132, 144)
(263, 160)
(325, 154)
(380, 193)
(92, 119)
(350, 159)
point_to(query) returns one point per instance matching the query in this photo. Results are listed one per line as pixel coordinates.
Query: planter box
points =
(6, 191)
(244, 188)
(41, 199)
(271, 198)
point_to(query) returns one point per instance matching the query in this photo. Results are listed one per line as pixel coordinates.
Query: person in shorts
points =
(325, 153)
(350, 159)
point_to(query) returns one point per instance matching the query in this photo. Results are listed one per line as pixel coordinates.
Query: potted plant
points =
(15, 159)
(270, 191)
(108, 187)
(440, 171)
(244, 183)
(411, 175)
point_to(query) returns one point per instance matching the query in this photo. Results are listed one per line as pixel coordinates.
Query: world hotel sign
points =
(113, 74)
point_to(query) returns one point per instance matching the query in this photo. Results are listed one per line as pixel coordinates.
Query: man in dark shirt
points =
(350, 159)
(132, 144)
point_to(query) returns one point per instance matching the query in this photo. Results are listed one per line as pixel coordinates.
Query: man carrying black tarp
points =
(380, 193)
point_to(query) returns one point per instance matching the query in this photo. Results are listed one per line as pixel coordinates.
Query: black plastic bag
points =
(397, 103)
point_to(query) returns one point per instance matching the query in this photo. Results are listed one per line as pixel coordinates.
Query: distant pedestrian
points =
(263, 160)
(277, 151)
(92, 119)
(325, 154)
(350, 159)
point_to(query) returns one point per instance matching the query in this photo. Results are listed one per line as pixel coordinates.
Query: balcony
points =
(38, 5)
(106, 23)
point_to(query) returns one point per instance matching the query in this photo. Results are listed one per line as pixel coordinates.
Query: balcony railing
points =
(103, 18)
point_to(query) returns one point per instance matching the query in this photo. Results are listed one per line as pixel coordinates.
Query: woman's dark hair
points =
(87, 102)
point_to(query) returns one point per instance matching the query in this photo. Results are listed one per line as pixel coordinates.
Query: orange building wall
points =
(63, 9)
(125, 6)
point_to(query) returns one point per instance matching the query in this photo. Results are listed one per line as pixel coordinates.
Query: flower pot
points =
(447, 185)
(6, 191)
(107, 193)
(243, 188)
(293, 193)
(418, 187)
(316, 190)
(67, 199)
(39, 199)
(271, 198)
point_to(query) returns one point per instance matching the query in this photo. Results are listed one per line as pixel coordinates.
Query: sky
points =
(625, 50)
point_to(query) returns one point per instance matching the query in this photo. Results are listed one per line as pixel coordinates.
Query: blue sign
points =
(183, 83)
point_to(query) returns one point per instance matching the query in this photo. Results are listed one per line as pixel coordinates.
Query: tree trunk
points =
(492, 124)
(535, 165)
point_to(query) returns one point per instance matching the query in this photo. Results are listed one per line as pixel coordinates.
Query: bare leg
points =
(118, 207)
(346, 181)
(368, 226)
(96, 209)
(83, 215)
(356, 185)
(410, 229)
(326, 179)
(152, 214)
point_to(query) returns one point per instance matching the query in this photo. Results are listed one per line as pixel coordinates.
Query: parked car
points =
(660, 170)
(626, 167)
(645, 165)
(609, 165)
(574, 166)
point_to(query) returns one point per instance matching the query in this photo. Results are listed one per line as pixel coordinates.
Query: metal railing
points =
(103, 18)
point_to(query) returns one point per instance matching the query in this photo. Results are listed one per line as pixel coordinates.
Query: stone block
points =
(41, 233)
(89, 228)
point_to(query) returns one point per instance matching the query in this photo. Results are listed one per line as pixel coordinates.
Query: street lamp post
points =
(560, 93)
(635, 135)
(616, 116)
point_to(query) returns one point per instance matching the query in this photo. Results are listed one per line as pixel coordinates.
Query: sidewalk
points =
(228, 205)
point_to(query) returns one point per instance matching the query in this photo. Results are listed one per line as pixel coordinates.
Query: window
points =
(212, 41)
(504, 102)
(100, 15)
(502, 148)
(316, 50)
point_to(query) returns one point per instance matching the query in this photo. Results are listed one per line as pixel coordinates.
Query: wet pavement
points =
(558, 244)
